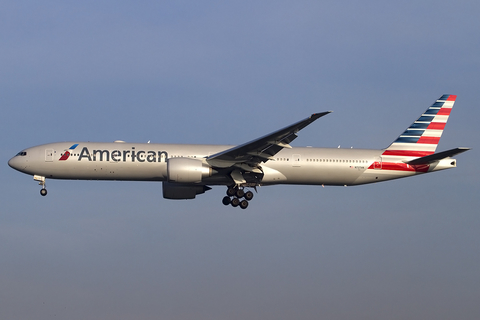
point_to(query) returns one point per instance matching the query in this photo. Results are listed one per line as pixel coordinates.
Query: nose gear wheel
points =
(41, 181)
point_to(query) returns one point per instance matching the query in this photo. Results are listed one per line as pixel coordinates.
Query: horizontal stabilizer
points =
(437, 156)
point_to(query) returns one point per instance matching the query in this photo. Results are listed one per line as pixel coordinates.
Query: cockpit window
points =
(22, 153)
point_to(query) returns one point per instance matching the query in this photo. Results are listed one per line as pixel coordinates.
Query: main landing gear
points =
(237, 197)
(41, 180)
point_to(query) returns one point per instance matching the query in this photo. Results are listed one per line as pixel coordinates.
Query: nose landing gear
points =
(41, 180)
(234, 197)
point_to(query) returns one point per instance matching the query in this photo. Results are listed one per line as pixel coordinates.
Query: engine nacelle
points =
(182, 191)
(187, 170)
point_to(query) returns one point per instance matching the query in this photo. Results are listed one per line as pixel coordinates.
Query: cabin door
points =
(296, 160)
(378, 163)
(48, 155)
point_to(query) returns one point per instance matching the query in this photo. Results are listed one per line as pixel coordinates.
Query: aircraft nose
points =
(11, 163)
(14, 163)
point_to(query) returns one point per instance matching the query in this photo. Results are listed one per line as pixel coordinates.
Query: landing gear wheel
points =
(226, 200)
(231, 192)
(240, 193)
(43, 192)
(244, 204)
(235, 202)
(248, 195)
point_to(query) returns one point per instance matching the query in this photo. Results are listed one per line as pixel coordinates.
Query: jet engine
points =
(177, 191)
(187, 170)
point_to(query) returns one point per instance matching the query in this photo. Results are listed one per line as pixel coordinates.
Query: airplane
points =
(187, 170)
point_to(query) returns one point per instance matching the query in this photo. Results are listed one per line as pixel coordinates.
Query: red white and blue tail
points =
(422, 137)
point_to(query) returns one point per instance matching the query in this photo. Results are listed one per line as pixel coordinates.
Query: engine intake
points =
(187, 170)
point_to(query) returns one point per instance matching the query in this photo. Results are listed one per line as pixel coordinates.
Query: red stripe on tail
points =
(428, 140)
(436, 125)
(406, 153)
(444, 112)
(400, 167)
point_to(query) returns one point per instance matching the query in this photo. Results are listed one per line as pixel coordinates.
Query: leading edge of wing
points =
(263, 148)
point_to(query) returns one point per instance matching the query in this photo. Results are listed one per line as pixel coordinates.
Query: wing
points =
(262, 149)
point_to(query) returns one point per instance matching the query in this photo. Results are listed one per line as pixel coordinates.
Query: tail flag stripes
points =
(420, 139)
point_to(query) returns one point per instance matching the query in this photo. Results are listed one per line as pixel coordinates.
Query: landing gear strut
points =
(234, 197)
(41, 180)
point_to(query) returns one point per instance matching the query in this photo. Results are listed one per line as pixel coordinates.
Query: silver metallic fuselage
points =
(148, 162)
(189, 170)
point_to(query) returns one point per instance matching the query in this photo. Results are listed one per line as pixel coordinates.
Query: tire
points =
(43, 192)
(226, 200)
(248, 195)
(240, 193)
(231, 192)
(235, 202)
(244, 204)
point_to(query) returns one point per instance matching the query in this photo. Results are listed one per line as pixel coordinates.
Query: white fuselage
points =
(187, 170)
(148, 162)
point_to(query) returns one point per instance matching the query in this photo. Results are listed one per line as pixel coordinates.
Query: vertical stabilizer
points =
(422, 137)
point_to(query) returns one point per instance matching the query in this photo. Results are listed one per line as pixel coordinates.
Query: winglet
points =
(315, 116)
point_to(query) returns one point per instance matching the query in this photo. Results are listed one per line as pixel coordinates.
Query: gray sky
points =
(227, 72)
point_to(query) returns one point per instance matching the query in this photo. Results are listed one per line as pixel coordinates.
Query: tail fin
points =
(422, 137)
